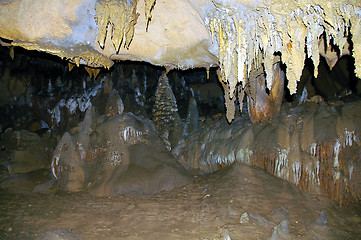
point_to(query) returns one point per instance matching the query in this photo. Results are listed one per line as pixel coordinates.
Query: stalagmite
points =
(165, 113)
(191, 124)
(115, 105)
(262, 106)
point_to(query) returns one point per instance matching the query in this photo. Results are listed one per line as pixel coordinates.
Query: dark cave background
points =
(33, 83)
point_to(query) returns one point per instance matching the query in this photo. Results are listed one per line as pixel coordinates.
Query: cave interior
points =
(141, 150)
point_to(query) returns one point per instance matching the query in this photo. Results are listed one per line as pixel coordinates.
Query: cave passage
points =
(136, 152)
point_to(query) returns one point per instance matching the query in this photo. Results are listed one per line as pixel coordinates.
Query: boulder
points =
(121, 154)
(24, 151)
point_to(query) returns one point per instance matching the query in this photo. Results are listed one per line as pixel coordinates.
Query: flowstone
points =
(116, 154)
(314, 145)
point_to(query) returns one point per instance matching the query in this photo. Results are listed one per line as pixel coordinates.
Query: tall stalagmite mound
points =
(165, 113)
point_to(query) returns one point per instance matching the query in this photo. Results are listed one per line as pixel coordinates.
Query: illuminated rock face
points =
(315, 146)
(95, 32)
(237, 35)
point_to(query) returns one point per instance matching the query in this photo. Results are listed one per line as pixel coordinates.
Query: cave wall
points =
(312, 143)
(316, 146)
(246, 39)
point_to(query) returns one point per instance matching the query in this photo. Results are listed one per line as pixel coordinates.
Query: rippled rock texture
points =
(316, 146)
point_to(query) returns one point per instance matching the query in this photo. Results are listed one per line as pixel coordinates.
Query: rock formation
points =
(165, 113)
(118, 154)
(192, 120)
(24, 160)
(315, 146)
(238, 36)
(258, 47)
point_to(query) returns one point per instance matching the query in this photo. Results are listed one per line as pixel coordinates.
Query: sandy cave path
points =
(200, 210)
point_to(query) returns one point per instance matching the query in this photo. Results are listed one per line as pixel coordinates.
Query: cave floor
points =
(205, 209)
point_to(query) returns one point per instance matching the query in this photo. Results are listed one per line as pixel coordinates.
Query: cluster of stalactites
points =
(120, 16)
(249, 38)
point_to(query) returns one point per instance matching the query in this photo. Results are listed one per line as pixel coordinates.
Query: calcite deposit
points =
(165, 113)
(118, 153)
(315, 146)
(257, 46)
(239, 36)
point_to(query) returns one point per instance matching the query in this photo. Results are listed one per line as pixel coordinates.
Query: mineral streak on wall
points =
(316, 147)
(249, 33)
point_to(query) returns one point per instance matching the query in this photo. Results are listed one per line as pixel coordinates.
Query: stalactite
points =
(251, 36)
(229, 100)
(149, 4)
(11, 52)
(93, 72)
(121, 16)
(78, 54)
(263, 106)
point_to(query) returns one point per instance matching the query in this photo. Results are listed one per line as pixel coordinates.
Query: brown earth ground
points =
(201, 210)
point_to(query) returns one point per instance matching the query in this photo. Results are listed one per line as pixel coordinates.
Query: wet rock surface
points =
(315, 145)
(59, 234)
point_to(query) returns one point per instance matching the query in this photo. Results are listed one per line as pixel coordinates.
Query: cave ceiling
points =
(239, 36)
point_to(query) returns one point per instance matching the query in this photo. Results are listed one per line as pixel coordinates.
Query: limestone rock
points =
(165, 113)
(25, 183)
(281, 231)
(122, 155)
(114, 105)
(24, 151)
(314, 145)
(263, 106)
(59, 234)
(67, 165)
(322, 219)
(192, 119)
